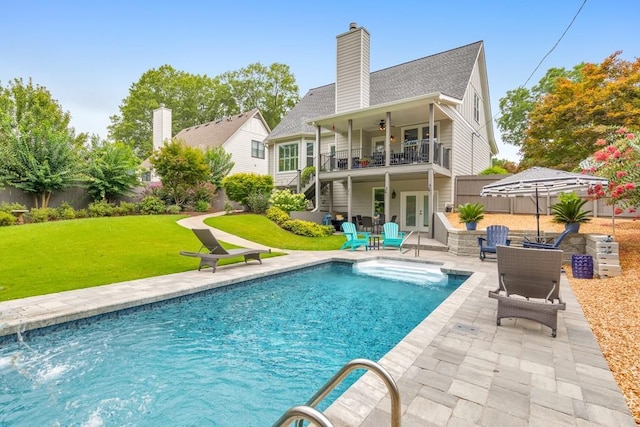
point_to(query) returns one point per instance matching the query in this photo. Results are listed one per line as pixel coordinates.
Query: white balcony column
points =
(387, 141)
(387, 196)
(349, 146)
(317, 162)
(430, 202)
(431, 133)
(349, 197)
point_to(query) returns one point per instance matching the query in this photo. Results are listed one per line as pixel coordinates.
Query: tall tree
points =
(516, 106)
(273, 90)
(566, 123)
(39, 152)
(180, 168)
(193, 99)
(196, 99)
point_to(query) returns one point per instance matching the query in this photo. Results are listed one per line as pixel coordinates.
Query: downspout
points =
(431, 183)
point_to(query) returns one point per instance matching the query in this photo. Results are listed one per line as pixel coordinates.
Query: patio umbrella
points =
(536, 180)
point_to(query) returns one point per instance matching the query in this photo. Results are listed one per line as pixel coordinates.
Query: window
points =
(257, 149)
(309, 154)
(287, 157)
(476, 107)
(378, 201)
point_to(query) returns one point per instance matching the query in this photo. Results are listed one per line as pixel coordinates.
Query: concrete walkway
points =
(457, 368)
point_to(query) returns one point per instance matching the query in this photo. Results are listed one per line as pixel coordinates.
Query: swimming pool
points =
(235, 356)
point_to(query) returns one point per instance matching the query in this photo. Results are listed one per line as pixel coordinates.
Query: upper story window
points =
(413, 134)
(287, 157)
(476, 108)
(257, 149)
(309, 154)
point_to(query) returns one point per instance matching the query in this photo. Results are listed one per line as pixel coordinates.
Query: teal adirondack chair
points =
(355, 239)
(391, 237)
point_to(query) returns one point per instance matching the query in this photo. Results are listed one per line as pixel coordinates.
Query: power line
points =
(555, 45)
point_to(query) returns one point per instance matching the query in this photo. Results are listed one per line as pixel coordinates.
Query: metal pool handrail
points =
(342, 374)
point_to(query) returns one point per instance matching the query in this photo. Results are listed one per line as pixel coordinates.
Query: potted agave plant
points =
(568, 211)
(471, 214)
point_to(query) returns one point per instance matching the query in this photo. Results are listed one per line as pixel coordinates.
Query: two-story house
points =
(391, 141)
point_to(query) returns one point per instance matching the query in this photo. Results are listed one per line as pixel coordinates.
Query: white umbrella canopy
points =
(536, 180)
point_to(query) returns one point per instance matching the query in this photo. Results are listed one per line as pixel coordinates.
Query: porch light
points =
(382, 125)
(392, 138)
(393, 194)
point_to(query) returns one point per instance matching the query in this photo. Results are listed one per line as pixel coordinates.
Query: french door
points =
(414, 211)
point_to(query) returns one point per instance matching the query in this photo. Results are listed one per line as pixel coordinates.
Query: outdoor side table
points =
(374, 242)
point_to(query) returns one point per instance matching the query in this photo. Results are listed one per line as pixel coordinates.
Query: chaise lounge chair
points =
(496, 235)
(529, 285)
(217, 252)
(355, 238)
(554, 245)
(391, 237)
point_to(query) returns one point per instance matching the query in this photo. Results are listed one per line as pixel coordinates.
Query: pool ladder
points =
(308, 411)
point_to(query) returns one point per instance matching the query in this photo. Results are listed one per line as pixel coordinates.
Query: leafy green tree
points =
(113, 171)
(240, 185)
(516, 106)
(193, 99)
(273, 90)
(39, 151)
(180, 168)
(220, 164)
(196, 99)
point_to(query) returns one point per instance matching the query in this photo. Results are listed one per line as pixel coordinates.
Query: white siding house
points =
(389, 142)
(241, 135)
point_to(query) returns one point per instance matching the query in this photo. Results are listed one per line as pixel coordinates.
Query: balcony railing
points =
(404, 153)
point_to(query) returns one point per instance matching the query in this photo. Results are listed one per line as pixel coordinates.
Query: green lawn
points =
(259, 229)
(49, 257)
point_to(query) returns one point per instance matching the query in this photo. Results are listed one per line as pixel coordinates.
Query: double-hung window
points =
(287, 157)
(476, 107)
(257, 149)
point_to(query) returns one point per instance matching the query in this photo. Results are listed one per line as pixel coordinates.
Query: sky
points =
(89, 53)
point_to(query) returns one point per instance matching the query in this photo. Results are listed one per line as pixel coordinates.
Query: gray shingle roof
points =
(212, 134)
(446, 72)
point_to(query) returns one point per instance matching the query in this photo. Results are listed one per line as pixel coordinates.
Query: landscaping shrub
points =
(277, 215)
(101, 208)
(238, 186)
(151, 205)
(127, 208)
(173, 209)
(82, 213)
(8, 207)
(288, 201)
(37, 215)
(307, 173)
(202, 206)
(6, 218)
(307, 228)
(258, 202)
(228, 207)
(66, 211)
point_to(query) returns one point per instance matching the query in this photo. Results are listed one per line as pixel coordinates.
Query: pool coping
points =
(447, 374)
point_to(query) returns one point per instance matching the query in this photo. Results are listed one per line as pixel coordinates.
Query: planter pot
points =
(573, 227)
(471, 225)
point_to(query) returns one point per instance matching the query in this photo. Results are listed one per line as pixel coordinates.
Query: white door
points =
(414, 211)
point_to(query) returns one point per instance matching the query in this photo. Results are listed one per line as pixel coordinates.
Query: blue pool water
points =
(231, 357)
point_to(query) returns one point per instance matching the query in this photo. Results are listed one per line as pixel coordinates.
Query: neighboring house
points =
(369, 134)
(241, 135)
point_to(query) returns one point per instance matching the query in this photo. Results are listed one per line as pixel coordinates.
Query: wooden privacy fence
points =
(468, 188)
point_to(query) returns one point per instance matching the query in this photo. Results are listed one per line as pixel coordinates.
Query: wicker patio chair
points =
(529, 285)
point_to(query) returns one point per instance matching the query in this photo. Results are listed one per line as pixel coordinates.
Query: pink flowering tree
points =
(618, 160)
